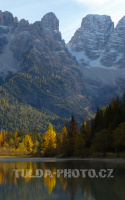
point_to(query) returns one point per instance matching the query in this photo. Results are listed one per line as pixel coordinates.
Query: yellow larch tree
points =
(28, 143)
(49, 141)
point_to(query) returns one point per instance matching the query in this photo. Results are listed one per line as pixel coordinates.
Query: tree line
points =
(105, 133)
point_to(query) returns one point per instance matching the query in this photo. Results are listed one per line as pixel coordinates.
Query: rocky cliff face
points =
(42, 38)
(92, 37)
(50, 21)
(99, 49)
(8, 63)
(7, 19)
(97, 40)
(43, 73)
(114, 51)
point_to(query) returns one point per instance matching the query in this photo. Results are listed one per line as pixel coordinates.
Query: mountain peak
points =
(121, 22)
(50, 21)
(98, 20)
(23, 25)
(97, 16)
(6, 18)
(93, 35)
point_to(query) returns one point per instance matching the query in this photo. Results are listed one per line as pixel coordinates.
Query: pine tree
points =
(72, 133)
(85, 132)
(64, 142)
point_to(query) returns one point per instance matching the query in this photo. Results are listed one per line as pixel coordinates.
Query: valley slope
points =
(37, 73)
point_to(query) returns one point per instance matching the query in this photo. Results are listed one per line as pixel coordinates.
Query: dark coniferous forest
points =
(103, 136)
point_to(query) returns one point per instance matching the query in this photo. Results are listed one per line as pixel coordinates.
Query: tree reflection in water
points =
(46, 188)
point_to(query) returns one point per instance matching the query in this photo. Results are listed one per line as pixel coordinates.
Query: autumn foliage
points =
(105, 133)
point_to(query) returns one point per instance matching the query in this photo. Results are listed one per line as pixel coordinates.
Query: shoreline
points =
(38, 159)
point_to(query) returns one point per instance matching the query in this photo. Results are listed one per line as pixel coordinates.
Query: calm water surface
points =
(60, 188)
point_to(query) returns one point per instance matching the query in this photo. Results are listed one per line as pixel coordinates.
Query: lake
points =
(50, 179)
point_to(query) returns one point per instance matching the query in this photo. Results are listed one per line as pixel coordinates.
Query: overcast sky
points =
(69, 12)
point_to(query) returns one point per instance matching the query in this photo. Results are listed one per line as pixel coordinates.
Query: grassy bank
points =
(12, 152)
(7, 152)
